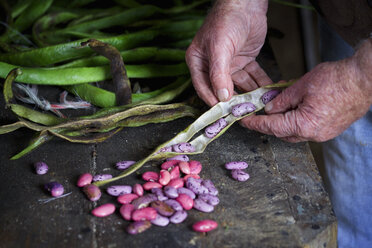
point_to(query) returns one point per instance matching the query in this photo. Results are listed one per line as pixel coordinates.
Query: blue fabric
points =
(348, 164)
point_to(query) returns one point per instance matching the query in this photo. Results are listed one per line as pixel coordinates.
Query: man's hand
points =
(323, 103)
(224, 50)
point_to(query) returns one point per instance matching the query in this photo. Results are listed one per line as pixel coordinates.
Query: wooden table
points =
(283, 204)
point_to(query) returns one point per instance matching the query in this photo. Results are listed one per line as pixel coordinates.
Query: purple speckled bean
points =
(122, 165)
(179, 157)
(203, 206)
(162, 208)
(159, 194)
(270, 95)
(170, 191)
(116, 190)
(101, 177)
(236, 165)
(41, 168)
(138, 226)
(183, 147)
(210, 199)
(178, 217)
(186, 191)
(242, 109)
(210, 186)
(215, 128)
(144, 201)
(196, 187)
(240, 175)
(55, 188)
(174, 204)
(160, 220)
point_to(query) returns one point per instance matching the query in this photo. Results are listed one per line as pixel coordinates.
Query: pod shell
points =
(212, 130)
(242, 109)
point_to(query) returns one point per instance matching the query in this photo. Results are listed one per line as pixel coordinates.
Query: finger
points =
(293, 139)
(243, 81)
(257, 73)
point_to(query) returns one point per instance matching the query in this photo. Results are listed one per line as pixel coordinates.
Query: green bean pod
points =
(36, 142)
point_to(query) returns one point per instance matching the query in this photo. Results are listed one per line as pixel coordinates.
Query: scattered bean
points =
(178, 217)
(162, 208)
(169, 164)
(175, 172)
(215, 128)
(184, 167)
(176, 183)
(196, 187)
(147, 213)
(138, 227)
(186, 201)
(242, 109)
(144, 201)
(179, 157)
(101, 177)
(92, 192)
(195, 176)
(126, 211)
(174, 204)
(138, 189)
(127, 198)
(240, 175)
(183, 147)
(270, 95)
(122, 165)
(210, 186)
(160, 220)
(84, 179)
(117, 190)
(170, 191)
(55, 188)
(236, 165)
(204, 226)
(210, 199)
(151, 185)
(41, 168)
(150, 176)
(104, 210)
(202, 206)
(195, 167)
(159, 194)
(186, 191)
(164, 177)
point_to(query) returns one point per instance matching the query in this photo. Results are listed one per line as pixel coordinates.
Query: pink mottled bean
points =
(126, 211)
(180, 157)
(202, 206)
(151, 185)
(270, 95)
(148, 213)
(210, 199)
(123, 165)
(195, 167)
(178, 217)
(242, 109)
(169, 164)
(54, 188)
(195, 176)
(104, 210)
(150, 176)
(174, 172)
(236, 165)
(215, 128)
(186, 201)
(41, 168)
(239, 175)
(164, 177)
(183, 147)
(138, 227)
(176, 183)
(127, 198)
(92, 192)
(101, 177)
(184, 167)
(84, 179)
(160, 220)
(116, 190)
(205, 226)
(138, 189)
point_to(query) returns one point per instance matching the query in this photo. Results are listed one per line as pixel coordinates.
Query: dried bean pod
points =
(138, 189)
(104, 210)
(240, 175)
(55, 188)
(202, 206)
(159, 194)
(147, 213)
(150, 176)
(41, 168)
(151, 185)
(122, 165)
(162, 208)
(126, 211)
(215, 128)
(270, 95)
(210, 199)
(210, 186)
(183, 147)
(127, 198)
(242, 109)
(236, 165)
(101, 177)
(186, 191)
(178, 217)
(144, 201)
(92, 192)
(160, 220)
(179, 157)
(174, 204)
(186, 201)
(138, 227)
(169, 164)
(84, 179)
(195, 167)
(170, 191)
(205, 226)
(116, 190)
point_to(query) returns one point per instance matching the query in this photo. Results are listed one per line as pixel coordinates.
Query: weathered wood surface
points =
(283, 204)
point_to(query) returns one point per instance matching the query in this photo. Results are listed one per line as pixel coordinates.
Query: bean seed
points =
(122, 165)
(242, 109)
(270, 95)
(184, 167)
(159, 194)
(169, 164)
(210, 186)
(195, 167)
(144, 201)
(204, 226)
(215, 128)
(84, 179)
(175, 172)
(127, 198)
(101, 177)
(151, 185)
(186, 191)
(179, 157)
(191, 175)
(240, 175)
(174, 204)
(92, 192)
(160, 220)
(186, 201)
(138, 227)
(147, 213)
(164, 177)
(210, 199)
(236, 165)
(126, 211)
(117, 190)
(178, 217)
(183, 147)
(150, 176)
(195, 185)
(176, 183)
(202, 206)
(104, 210)
(138, 189)
(41, 168)
(55, 188)
(162, 208)
(170, 191)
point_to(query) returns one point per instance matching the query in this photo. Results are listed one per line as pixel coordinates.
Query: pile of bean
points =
(163, 198)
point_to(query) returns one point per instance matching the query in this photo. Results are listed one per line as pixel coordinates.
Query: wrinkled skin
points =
(318, 107)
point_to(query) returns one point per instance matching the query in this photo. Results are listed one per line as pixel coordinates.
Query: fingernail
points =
(269, 107)
(222, 94)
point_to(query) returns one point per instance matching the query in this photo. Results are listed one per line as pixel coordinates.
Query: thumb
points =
(288, 99)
